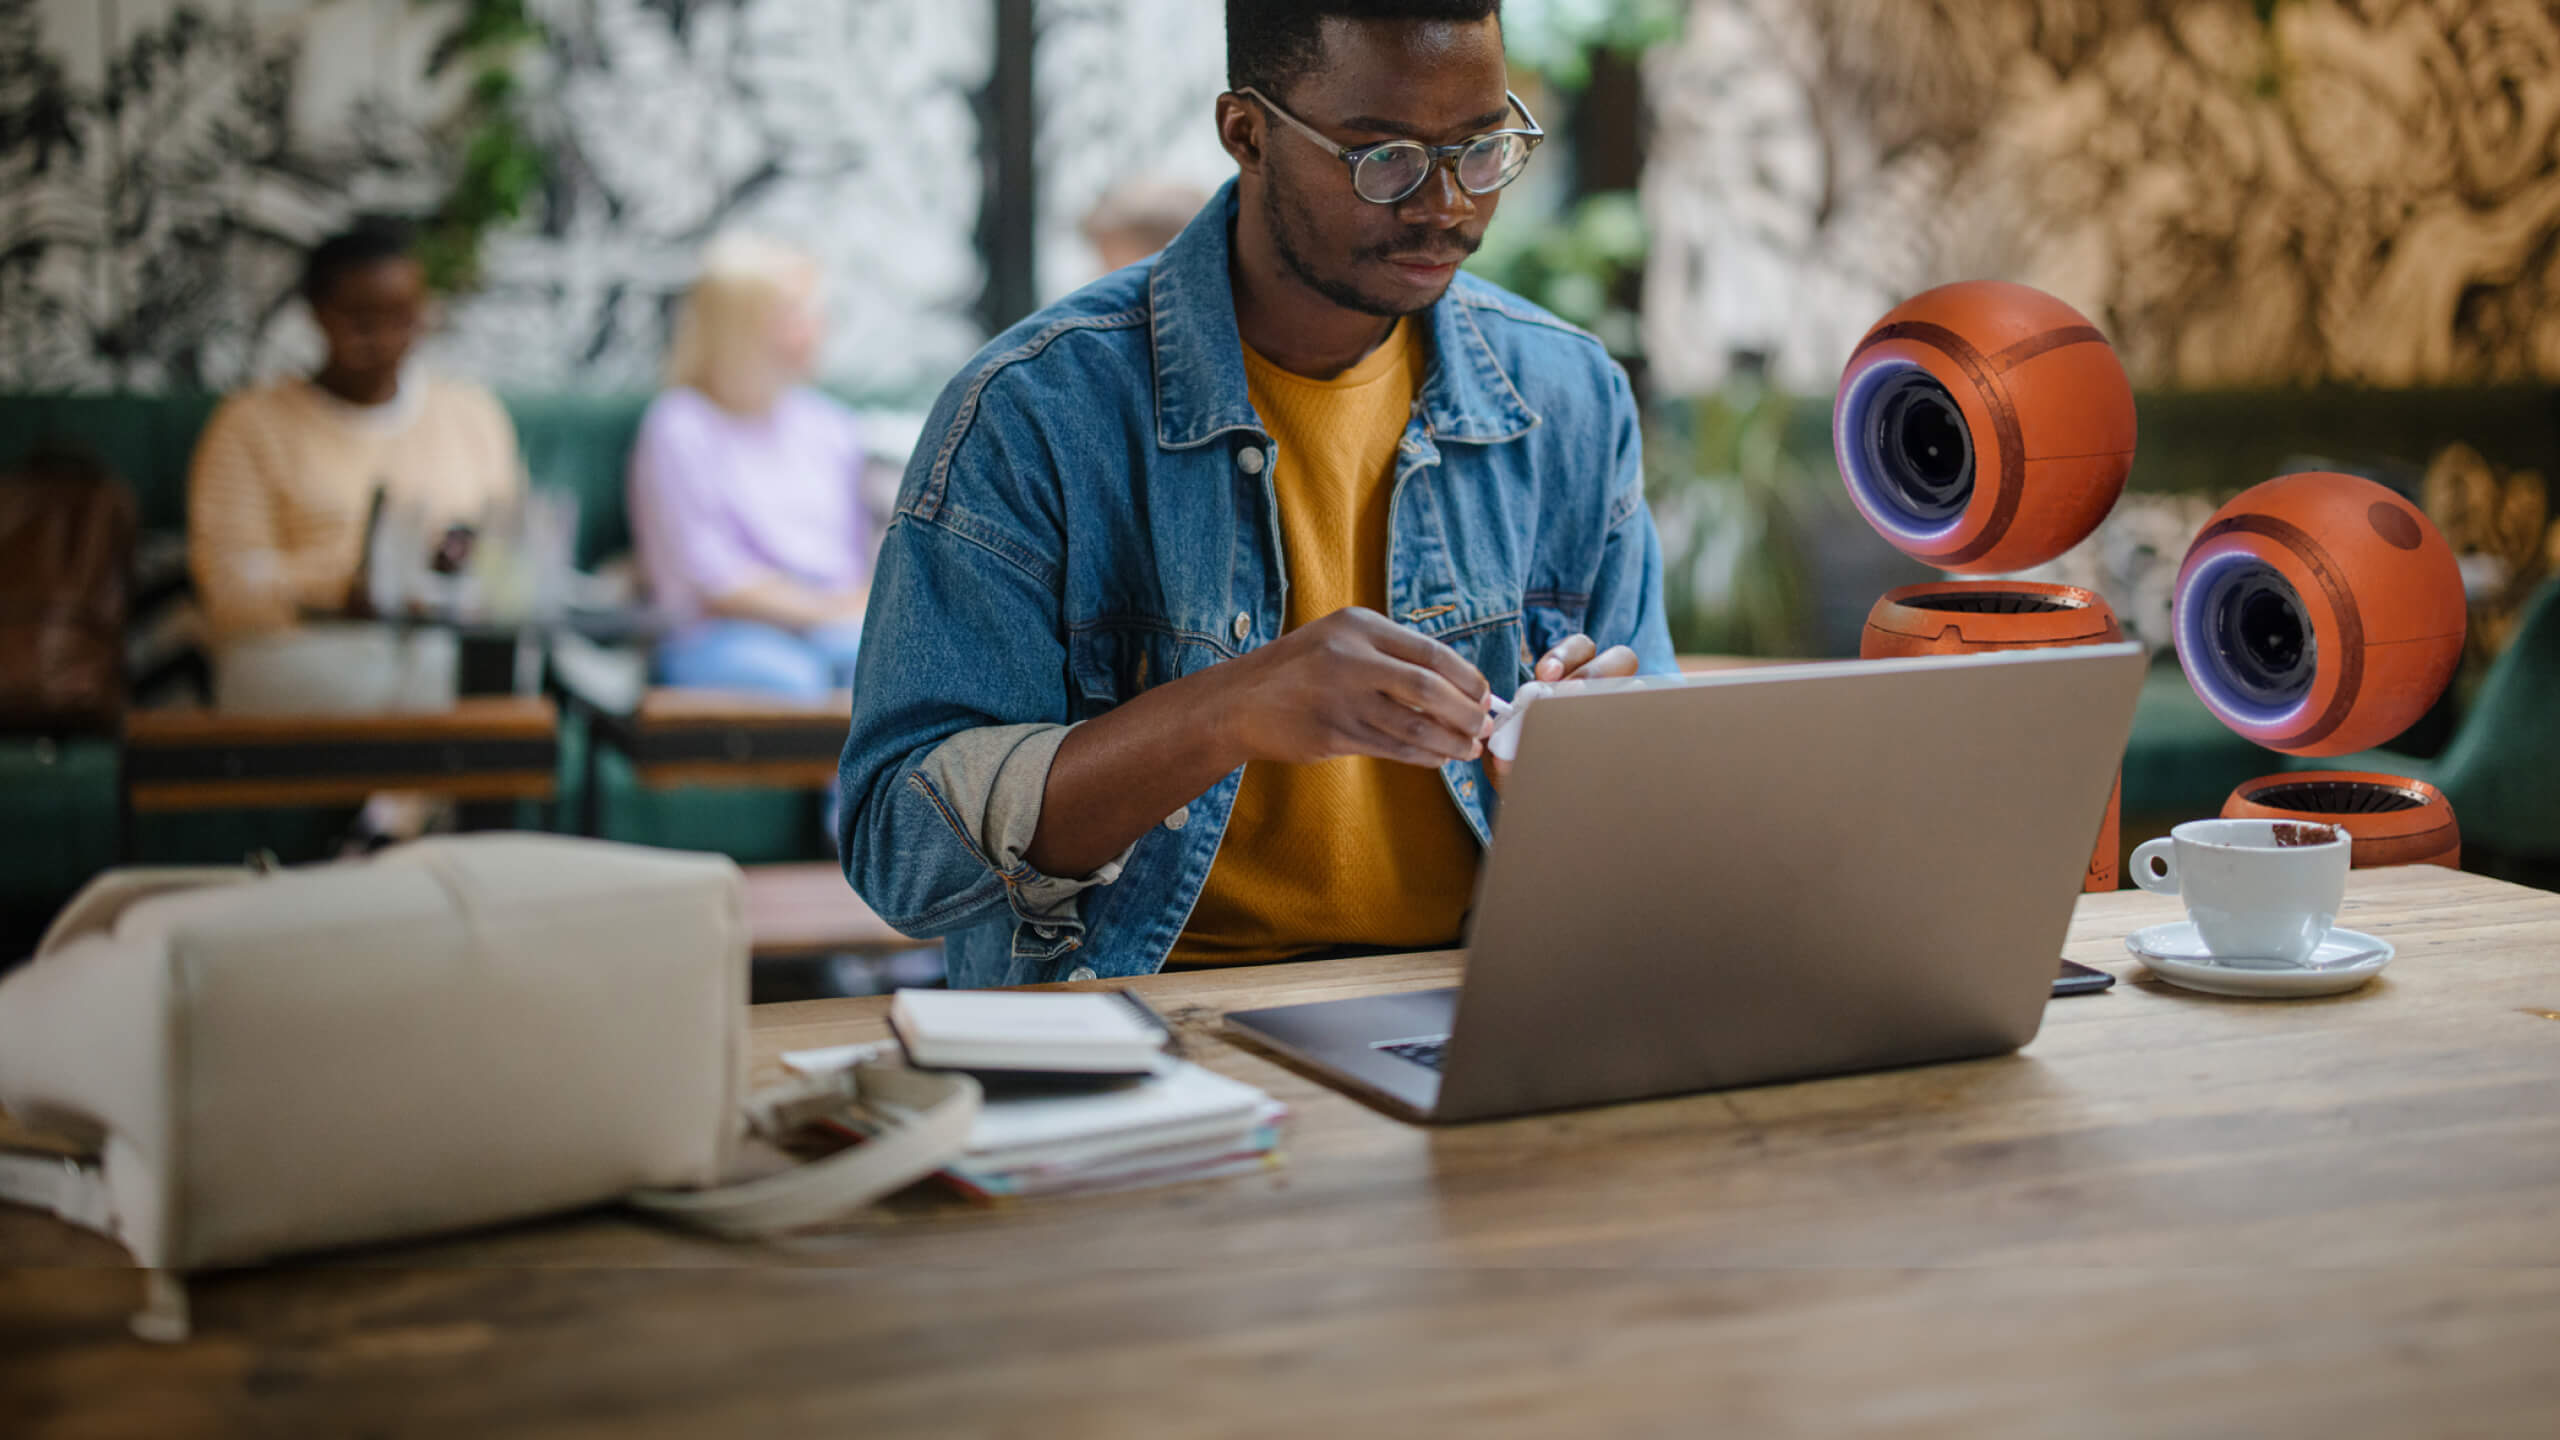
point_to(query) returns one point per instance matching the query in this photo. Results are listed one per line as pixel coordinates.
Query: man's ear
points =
(1241, 128)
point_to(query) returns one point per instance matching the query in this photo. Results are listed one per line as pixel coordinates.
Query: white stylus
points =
(1504, 742)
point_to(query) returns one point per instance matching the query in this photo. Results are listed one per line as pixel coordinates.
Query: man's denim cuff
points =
(992, 783)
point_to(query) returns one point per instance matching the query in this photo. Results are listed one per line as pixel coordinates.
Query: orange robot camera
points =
(1984, 427)
(1987, 427)
(1962, 617)
(2319, 614)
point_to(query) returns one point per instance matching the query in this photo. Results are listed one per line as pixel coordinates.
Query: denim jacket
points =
(1090, 513)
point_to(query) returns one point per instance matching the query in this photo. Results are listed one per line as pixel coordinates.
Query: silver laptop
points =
(1755, 876)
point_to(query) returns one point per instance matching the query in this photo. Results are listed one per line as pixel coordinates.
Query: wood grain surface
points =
(741, 774)
(2170, 1214)
(473, 717)
(349, 790)
(809, 909)
(669, 706)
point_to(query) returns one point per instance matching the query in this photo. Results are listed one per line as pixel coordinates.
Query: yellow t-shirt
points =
(1352, 852)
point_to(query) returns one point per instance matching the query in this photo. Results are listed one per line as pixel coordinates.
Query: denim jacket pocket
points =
(1113, 661)
(1548, 619)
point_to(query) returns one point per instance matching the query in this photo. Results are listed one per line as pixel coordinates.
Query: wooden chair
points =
(484, 749)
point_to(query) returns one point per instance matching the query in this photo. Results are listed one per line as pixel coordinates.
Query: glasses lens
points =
(1492, 162)
(1391, 172)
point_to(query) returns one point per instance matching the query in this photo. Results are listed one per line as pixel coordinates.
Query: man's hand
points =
(1352, 683)
(1579, 657)
(1357, 683)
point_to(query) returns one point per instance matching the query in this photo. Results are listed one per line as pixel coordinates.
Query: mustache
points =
(1423, 241)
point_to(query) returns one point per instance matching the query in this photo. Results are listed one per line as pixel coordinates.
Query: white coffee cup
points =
(2250, 896)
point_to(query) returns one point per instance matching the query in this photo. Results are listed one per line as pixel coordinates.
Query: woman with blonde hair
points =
(746, 487)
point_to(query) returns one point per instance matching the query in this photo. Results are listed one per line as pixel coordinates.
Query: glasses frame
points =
(1439, 156)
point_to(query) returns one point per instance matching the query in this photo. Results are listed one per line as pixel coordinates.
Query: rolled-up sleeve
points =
(959, 707)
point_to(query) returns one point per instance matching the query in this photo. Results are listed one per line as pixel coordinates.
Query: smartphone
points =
(2079, 979)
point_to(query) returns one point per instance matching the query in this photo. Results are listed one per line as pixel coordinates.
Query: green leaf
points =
(502, 168)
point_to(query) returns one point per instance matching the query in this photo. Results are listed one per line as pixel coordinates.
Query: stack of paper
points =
(1180, 1123)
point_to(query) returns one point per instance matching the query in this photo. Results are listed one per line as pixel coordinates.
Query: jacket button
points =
(1178, 819)
(1082, 972)
(1243, 626)
(1250, 460)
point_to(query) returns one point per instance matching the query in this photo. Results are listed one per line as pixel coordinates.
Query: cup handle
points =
(2162, 852)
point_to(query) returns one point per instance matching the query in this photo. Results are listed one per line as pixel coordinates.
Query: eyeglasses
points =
(1388, 171)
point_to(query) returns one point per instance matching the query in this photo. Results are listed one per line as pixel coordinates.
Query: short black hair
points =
(1271, 44)
(368, 240)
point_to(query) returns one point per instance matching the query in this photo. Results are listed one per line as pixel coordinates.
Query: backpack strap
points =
(924, 1117)
(75, 1190)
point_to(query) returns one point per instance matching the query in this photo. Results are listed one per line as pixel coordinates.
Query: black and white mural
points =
(163, 165)
(167, 160)
(1128, 92)
(2239, 193)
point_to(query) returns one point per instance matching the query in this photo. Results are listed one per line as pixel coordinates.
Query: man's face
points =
(1438, 82)
(371, 314)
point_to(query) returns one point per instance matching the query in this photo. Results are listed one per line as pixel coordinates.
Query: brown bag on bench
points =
(66, 558)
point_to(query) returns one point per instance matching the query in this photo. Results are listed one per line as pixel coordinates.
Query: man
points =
(1182, 637)
(286, 474)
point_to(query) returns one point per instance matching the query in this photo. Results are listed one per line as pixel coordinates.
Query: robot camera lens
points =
(2271, 633)
(2262, 637)
(1918, 447)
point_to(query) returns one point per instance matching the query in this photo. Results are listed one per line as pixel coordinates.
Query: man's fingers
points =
(1384, 742)
(1431, 693)
(1569, 656)
(1413, 728)
(1616, 662)
(1415, 648)
(1427, 731)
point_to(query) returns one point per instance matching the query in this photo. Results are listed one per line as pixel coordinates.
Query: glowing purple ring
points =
(1866, 490)
(2254, 722)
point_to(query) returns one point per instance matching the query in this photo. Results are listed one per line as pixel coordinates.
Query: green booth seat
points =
(57, 825)
(2182, 762)
(2501, 770)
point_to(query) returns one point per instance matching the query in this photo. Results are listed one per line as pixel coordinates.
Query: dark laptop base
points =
(1336, 1042)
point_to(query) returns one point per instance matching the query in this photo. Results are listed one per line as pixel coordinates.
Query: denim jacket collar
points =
(1199, 356)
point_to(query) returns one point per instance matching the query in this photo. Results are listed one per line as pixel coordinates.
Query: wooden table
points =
(808, 909)
(483, 748)
(2170, 1214)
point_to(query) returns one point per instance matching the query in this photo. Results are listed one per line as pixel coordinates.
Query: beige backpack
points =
(449, 1034)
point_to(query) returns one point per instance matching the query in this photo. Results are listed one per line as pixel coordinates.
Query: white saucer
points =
(2175, 953)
